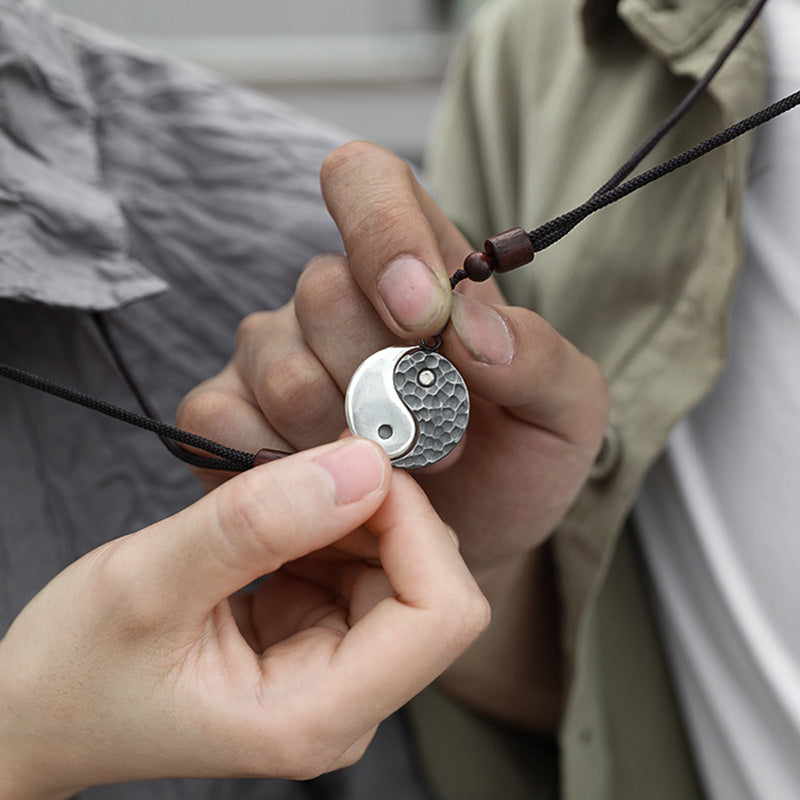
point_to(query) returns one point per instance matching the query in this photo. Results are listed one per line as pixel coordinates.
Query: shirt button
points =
(608, 457)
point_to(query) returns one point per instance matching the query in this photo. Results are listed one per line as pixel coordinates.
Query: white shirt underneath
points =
(719, 516)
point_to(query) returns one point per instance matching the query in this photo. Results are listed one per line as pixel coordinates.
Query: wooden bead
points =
(265, 455)
(509, 250)
(477, 267)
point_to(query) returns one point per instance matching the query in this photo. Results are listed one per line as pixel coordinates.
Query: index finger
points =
(394, 243)
(404, 642)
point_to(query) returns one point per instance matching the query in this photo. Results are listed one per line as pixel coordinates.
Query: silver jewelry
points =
(410, 400)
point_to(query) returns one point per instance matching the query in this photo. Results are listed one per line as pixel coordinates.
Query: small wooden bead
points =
(509, 249)
(265, 455)
(477, 267)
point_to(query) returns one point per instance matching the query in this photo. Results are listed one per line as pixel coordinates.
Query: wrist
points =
(23, 774)
(19, 780)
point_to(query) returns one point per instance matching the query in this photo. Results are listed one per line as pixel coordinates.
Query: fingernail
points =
(411, 293)
(483, 331)
(355, 468)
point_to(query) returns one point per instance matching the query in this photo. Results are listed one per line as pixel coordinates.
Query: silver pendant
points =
(410, 400)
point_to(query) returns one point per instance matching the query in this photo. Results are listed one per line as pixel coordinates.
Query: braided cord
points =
(195, 459)
(685, 104)
(518, 247)
(227, 457)
(550, 232)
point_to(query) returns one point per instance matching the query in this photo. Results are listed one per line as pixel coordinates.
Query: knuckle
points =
(467, 615)
(312, 764)
(346, 157)
(245, 519)
(288, 386)
(203, 411)
(380, 223)
(252, 327)
(386, 197)
(592, 408)
(376, 226)
(325, 283)
(597, 389)
(353, 754)
(476, 615)
(307, 768)
(329, 747)
(308, 754)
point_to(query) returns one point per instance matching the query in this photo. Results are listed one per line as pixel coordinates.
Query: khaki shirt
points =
(544, 101)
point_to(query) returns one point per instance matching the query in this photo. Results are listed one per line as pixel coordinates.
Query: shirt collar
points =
(672, 28)
(687, 35)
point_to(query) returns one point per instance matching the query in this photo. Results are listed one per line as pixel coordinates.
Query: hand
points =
(538, 406)
(133, 663)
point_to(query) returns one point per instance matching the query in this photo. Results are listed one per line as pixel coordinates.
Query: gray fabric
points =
(123, 174)
(63, 238)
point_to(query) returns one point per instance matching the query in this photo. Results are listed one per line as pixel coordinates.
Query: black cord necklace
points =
(503, 252)
(516, 247)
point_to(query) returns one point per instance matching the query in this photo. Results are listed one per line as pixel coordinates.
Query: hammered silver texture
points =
(440, 408)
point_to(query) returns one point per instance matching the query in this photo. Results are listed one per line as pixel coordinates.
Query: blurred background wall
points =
(373, 67)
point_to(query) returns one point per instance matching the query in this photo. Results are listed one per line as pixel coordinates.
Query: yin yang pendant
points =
(410, 400)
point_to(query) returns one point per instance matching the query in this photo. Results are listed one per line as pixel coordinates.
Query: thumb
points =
(259, 520)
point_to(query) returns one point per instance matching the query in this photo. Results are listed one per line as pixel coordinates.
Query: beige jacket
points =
(544, 101)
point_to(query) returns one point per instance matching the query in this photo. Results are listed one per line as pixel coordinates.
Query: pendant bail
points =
(431, 348)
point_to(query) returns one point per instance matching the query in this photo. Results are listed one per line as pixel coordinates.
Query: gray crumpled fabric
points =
(174, 204)
(63, 237)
